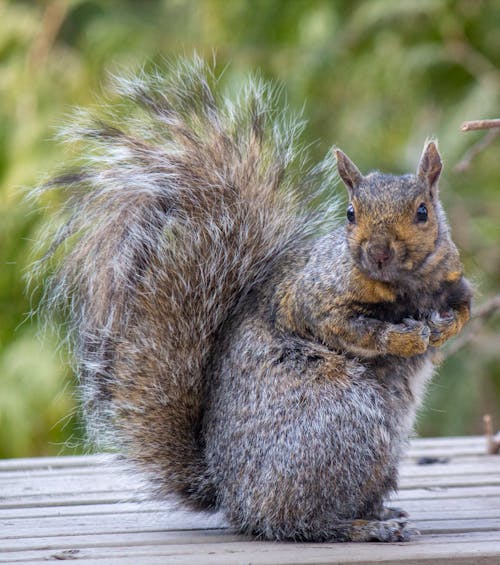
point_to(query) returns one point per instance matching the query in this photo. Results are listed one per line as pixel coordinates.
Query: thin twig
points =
(466, 160)
(480, 124)
(487, 309)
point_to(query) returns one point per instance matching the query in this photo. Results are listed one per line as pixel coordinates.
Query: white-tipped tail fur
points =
(179, 209)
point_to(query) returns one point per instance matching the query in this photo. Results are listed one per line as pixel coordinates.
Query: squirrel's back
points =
(180, 209)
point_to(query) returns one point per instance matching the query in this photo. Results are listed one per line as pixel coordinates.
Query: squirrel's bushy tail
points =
(175, 214)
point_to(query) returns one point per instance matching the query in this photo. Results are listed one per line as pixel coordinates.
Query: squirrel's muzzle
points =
(380, 256)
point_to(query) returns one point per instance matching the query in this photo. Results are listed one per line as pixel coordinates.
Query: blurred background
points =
(374, 77)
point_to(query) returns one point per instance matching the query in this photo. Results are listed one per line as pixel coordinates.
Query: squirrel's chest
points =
(417, 307)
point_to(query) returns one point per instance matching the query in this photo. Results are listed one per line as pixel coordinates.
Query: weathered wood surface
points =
(89, 509)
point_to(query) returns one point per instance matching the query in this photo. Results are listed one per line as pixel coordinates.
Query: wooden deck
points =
(88, 509)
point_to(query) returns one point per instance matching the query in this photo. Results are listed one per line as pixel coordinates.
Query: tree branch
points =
(480, 124)
(466, 160)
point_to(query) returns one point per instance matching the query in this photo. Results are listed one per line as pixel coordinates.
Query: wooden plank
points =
(69, 499)
(446, 447)
(446, 521)
(176, 537)
(85, 499)
(56, 484)
(182, 556)
(112, 472)
(49, 508)
(460, 445)
(458, 549)
(164, 539)
(485, 518)
(450, 525)
(86, 472)
(461, 505)
(109, 465)
(168, 516)
(115, 508)
(416, 452)
(425, 494)
(57, 462)
(447, 440)
(450, 480)
(111, 523)
(108, 523)
(483, 466)
(430, 491)
(121, 539)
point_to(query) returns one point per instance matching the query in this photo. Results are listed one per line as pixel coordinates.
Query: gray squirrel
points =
(245, 350)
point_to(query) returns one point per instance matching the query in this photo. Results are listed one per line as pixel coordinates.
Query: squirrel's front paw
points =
(408, 339)
(442, 327)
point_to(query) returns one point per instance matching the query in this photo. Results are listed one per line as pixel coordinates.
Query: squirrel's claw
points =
(442, 327)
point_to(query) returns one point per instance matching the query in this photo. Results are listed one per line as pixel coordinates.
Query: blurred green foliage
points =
(377, 78)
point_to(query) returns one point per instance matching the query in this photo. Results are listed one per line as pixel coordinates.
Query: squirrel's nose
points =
(380, 255)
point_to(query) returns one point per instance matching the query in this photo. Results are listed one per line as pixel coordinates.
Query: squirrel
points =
(247, 350)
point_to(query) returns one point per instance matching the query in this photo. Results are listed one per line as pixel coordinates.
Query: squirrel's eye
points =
(422, 213)
(350, 213)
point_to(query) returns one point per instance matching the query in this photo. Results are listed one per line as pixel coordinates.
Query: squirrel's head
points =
(394, 223)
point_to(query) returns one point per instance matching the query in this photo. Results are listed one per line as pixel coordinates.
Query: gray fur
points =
(223, 348)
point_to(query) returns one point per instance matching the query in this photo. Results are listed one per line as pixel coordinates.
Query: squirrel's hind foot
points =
(395, 530)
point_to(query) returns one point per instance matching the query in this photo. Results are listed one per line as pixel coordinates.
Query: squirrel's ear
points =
(348, 171)
(430, 166)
